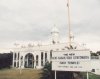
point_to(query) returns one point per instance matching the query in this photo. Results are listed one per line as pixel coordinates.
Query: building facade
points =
(36, 56)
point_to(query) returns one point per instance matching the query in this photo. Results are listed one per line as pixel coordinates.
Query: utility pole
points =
(69, 23)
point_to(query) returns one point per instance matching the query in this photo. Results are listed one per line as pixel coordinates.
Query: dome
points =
(54, 29)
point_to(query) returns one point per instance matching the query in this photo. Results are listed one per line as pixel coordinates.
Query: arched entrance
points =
(29, 61)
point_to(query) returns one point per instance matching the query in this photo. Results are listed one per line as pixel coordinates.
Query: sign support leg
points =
(87, 75)
(55, 75)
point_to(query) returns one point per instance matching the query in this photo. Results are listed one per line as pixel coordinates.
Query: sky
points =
(32, 20)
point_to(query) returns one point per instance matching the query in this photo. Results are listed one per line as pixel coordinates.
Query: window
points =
(37, 60)
(51, 54)
(45, 57)
(93, 70)
(41, 58)
(14, 64)
(15, 56)
(18, 56)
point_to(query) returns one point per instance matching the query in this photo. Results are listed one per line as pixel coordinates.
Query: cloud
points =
(33, 20)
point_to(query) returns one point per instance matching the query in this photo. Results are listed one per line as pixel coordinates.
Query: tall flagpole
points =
(69, 23)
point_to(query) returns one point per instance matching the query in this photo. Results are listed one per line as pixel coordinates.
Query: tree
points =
(5, 60)
(98, 52)
(47, 72)
(93, 53)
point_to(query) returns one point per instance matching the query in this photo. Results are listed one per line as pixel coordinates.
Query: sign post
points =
(87, 75)
(55, 74)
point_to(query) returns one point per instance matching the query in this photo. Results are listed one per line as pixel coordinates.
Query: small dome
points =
(54, 29)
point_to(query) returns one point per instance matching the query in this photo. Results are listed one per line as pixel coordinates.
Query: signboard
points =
(71, 55)
(72, 60)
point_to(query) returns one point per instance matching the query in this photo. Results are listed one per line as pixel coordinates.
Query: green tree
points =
(6, 60)
(47, 72)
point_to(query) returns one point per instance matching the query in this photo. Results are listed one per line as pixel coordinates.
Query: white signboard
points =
(71, 55)
(71, 66)
(71, 60)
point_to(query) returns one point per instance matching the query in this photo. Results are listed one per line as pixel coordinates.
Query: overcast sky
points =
(32, 20)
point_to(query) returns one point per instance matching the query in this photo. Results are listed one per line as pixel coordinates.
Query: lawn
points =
(15, 74)
(92, 76)
(30, 74)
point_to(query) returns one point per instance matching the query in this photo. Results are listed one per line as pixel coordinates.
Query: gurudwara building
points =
(36, 56)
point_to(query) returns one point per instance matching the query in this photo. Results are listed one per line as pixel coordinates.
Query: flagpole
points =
(69, 23)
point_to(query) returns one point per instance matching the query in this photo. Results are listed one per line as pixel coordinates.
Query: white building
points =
(37, 56)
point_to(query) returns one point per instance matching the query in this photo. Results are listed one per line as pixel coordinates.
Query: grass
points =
(30, 74)
(15, 74)
(92, 76)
